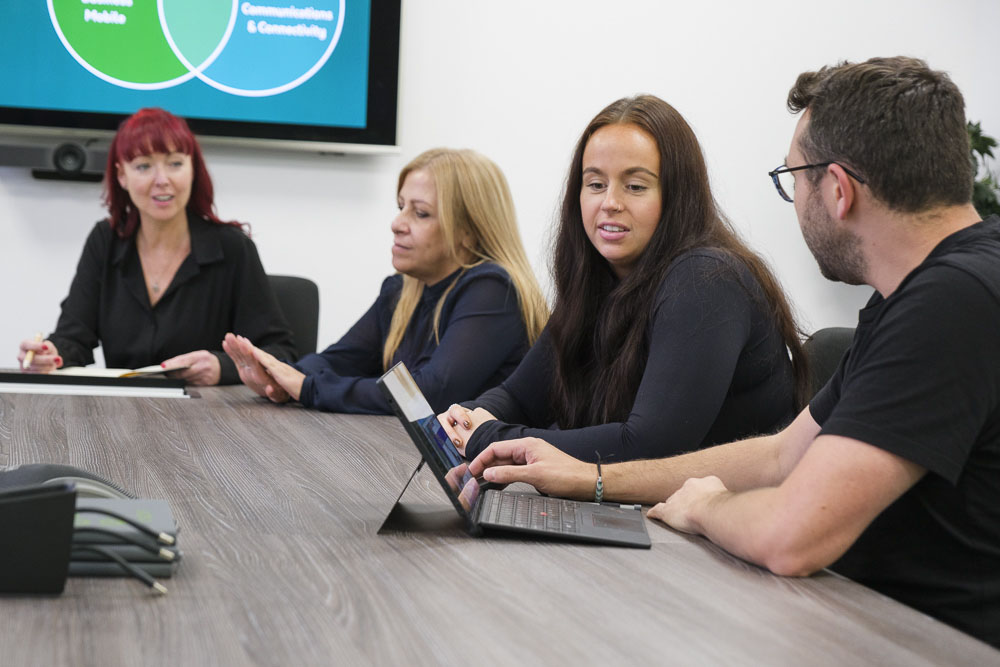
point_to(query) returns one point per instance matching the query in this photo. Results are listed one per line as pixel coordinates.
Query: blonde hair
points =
(473, 201)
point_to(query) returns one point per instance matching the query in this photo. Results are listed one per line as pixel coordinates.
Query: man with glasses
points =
(891, 475)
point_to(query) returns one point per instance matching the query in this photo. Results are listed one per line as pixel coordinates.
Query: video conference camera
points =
(69, 159)
(54, 158)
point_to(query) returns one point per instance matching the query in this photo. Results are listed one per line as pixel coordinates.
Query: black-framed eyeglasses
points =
(785, 182)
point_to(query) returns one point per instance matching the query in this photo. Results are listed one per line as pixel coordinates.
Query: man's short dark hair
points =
(900, 124)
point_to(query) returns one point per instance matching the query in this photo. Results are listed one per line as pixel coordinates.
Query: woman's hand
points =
(460, 423)
(45, 357)
(252, 372)
(289, 380)
(203, 367)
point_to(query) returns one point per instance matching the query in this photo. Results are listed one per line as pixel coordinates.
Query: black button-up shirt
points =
(220, 287)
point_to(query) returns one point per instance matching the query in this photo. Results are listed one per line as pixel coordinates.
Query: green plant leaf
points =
(980, 143)
(985, 190)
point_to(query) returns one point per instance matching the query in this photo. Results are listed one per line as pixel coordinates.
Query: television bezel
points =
(378, 135)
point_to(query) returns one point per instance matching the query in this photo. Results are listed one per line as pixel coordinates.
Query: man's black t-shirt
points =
(922, 381)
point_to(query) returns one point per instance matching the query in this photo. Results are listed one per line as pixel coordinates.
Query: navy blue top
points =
(482, 340)
(717, 370)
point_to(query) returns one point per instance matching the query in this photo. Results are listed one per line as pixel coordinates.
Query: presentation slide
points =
(304, 64)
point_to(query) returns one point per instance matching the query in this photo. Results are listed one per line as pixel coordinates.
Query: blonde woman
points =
(461, 312)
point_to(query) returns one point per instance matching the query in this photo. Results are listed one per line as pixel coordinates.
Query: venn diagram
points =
(242, 48)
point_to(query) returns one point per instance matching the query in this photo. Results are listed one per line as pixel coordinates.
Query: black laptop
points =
(487, 509)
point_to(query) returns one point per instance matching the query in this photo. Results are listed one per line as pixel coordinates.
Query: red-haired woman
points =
(162, 279)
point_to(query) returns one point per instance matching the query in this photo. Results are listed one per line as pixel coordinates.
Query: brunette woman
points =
(668, 333)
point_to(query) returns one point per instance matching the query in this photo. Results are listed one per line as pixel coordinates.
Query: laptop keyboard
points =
(519, 510)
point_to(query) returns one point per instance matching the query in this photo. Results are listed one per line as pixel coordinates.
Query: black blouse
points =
(718, 370)
(220, 287)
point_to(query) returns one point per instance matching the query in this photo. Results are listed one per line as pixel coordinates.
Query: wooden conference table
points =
(279, 509)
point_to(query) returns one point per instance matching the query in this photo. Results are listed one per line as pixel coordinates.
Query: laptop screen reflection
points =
(464, 485)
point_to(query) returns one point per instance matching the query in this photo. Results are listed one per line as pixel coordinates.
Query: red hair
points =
(147, 131)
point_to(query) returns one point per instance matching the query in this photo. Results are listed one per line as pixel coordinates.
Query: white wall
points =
(518, 81)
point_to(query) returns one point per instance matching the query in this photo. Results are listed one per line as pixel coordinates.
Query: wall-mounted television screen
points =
(313, 74)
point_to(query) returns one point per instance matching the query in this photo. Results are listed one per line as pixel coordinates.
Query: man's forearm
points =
(808, 520)
(744, 524)
(746, 464)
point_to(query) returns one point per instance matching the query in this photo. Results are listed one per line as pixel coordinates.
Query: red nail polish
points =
(163, 365)
(44, 347)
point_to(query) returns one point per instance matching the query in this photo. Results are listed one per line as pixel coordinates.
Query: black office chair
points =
(299, 301)
(824, 349)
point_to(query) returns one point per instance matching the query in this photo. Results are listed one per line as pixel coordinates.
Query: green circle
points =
(124, 43)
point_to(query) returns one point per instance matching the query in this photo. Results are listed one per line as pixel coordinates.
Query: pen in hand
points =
(30, 356)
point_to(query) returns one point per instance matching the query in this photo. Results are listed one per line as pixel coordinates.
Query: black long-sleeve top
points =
(482, 340)
(219, 287)
(718, 370)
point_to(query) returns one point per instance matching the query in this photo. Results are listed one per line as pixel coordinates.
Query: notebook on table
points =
(486, 509)
(156, 370)
(66, 383)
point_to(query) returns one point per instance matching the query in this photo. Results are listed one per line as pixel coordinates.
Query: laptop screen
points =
(446, 461)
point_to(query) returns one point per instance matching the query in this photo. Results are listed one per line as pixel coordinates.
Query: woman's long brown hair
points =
(599, 324)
